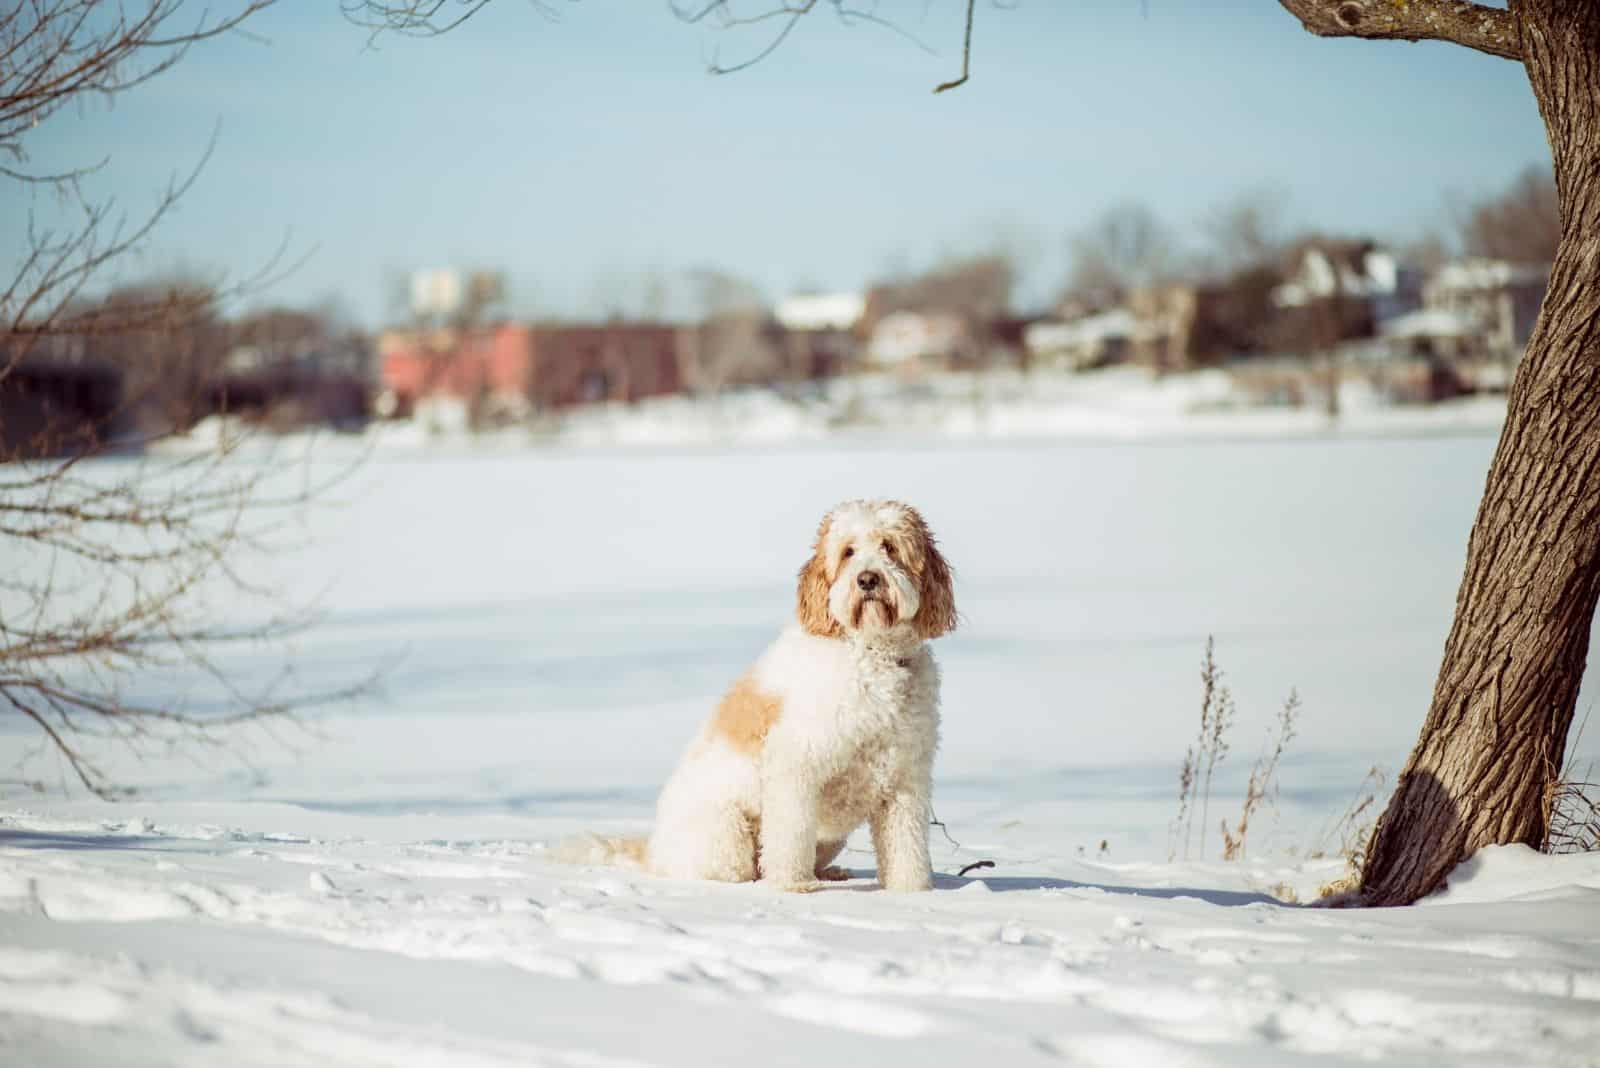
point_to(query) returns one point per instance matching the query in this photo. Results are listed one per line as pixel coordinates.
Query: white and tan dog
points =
(834, 726)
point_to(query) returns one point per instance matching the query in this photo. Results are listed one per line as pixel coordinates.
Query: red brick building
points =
(608, 362)
(514, 367)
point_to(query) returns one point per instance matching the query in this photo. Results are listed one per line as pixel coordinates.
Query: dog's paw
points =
(908, 884)
(833, 874)
(802, 886)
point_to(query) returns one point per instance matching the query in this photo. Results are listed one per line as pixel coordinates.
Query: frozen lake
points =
(561, 603)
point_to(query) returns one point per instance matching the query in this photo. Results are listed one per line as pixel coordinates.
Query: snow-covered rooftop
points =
(1430, 322)
(821, 311)
(1102, 326)
(1489, 274)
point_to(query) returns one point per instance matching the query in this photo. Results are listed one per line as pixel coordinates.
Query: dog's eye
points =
(849, 552)
(888, 547)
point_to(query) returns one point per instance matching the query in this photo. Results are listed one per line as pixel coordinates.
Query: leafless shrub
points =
(1574, 823)
(1261, 784)
(1180, 826)
(1521, 224)
(1214, 746)
(1210, 749)
(1200, 760)
(1572, 806)
(1348, 834)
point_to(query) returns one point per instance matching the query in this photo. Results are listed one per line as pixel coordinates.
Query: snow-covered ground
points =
(374, 887)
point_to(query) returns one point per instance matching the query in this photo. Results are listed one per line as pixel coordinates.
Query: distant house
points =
(481, 367)
(54, 407)
(1182, 327)
(323, 380)
(1335, 290)
(820, 333)
(510, 368)
(1502, 299)
(589, 363)
(1005, 339)
(954, 316)
(1091, 341)
(916, 341)
(821, 311)
(1476, 320)
(1435, 332)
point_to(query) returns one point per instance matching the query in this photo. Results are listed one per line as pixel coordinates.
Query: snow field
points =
(375, 888)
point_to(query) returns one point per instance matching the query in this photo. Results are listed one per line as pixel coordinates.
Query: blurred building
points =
(1167, 328)
(505, 370)
(288, 368)
(585, 364)
(820, 312)
(1475, 322)
(1181, 327)
(914, 341)
(1335, 290)
(54, 407)
(820, 334)
(1084, 343)
(1500, 298)
(1437, 332)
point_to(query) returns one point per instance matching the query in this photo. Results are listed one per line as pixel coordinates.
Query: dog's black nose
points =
(869, 580)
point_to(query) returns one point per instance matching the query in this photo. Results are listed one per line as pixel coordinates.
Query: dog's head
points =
(875, 566)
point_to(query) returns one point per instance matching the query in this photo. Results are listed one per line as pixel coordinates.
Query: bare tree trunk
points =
(1496, 732)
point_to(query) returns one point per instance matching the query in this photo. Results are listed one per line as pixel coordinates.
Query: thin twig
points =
(966, 53)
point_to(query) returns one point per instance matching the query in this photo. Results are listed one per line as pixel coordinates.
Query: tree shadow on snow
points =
(1002, 884)
(1005, 884)
(23, 839)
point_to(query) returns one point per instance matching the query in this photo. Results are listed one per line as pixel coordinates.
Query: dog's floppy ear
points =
(812, 593)
(937, 615)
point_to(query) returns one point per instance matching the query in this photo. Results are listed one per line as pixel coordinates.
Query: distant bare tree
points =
(1246, 231)
(1126, 248)
(1428, 252)
(977, 288)
(1521, 224)
(113, 570)
(731, 342)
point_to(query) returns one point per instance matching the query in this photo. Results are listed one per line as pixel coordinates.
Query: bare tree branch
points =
(1487, 29)
(56, 51)
(419, 18)
(966, 53)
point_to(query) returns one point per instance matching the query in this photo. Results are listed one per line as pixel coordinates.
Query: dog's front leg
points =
(900, 839)
(788, 833)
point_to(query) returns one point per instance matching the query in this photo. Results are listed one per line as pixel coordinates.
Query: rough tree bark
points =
(1495, 734)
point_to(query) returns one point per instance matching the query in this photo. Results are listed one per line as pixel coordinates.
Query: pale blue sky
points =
(576, 154)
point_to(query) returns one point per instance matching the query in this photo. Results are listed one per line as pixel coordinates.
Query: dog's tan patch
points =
(746, 715)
